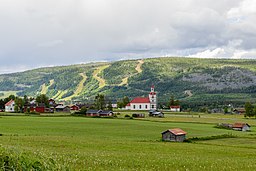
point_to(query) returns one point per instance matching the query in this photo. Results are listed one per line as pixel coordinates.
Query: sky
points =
(37, 33)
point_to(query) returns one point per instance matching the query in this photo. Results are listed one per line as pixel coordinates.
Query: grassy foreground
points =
(77, 143)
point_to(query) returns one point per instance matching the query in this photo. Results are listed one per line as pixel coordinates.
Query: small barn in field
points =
(241, 127)
(176, 134)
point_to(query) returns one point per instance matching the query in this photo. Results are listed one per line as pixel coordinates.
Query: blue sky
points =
(61, 32)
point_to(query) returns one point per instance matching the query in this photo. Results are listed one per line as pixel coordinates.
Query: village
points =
(139, 107)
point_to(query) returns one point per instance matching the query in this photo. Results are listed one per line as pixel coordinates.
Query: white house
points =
(175, 108)
(144, 103)
(9, 106)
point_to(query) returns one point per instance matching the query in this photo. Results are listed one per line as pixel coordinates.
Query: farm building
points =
(100, 113)
(176, 134)
(239, 111)
(175, 108)
(241, 127)
(61, 108)
(74, 108)
(9, 106)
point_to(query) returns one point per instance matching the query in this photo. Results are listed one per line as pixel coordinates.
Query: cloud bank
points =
(46, 32)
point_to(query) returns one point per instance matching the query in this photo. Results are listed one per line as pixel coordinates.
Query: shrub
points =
(210, 137)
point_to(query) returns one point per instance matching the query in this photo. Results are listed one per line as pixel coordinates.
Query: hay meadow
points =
(81, 143)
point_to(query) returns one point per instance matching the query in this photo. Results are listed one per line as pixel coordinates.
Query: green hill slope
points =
(194, 81)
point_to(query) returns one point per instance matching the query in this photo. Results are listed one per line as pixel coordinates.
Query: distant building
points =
(241, 127)
(175, 108)
(40, 108)
(52, 102)
(99, 113)
(144, 103)
(155, 113)
(9, 106)
(176, 134)
(239, 111)
(61, 108)
(74, 108)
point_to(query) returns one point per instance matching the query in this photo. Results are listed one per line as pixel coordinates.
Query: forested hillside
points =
(193, 81)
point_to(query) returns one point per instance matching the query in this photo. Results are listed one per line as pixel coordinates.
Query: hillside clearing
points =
(102, 81)
(59, 94)
(124, 81)
(79, 88)
(44, 88)
(138, 69)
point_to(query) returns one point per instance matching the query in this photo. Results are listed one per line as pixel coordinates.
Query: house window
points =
(140, 106)
(146, 106)
(134, 107)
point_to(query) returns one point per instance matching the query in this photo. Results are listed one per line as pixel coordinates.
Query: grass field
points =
(79, 143)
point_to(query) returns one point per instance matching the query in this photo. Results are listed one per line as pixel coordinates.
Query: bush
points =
(210, 137)
(127, 116)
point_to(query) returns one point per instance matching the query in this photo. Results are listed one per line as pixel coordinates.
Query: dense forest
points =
(194, 82)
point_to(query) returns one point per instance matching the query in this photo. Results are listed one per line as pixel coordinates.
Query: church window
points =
(134, 106)
(146, 106)
(140, 106)
(153, 106)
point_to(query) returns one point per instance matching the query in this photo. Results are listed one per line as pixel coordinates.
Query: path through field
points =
(102, 81)
(138, 69)
(79, 88)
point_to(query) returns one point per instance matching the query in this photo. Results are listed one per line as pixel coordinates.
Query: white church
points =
(144, 103)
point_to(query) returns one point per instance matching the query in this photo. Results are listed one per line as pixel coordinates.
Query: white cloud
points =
(77, 31)
(50, 43)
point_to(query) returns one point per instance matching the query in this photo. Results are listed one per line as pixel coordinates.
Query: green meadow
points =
(80, 143)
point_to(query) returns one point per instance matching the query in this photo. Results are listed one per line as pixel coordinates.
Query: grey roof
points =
(61, 107)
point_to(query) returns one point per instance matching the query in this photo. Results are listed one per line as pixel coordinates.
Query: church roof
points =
(140, 100)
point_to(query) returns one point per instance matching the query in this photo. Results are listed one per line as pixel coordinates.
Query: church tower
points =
(152, 98)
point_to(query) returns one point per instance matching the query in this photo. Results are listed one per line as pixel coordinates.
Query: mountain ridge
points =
(217, 80)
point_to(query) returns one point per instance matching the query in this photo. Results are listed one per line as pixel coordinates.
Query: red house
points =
(39, 109)
(74, 107)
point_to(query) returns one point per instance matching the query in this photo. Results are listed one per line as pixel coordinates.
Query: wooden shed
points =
(241, 127)
(176, 134)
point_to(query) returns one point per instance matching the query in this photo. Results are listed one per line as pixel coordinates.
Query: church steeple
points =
(152, 98)
(152, 88)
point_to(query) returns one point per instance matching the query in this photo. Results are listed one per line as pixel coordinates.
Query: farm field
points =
(79, 143)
